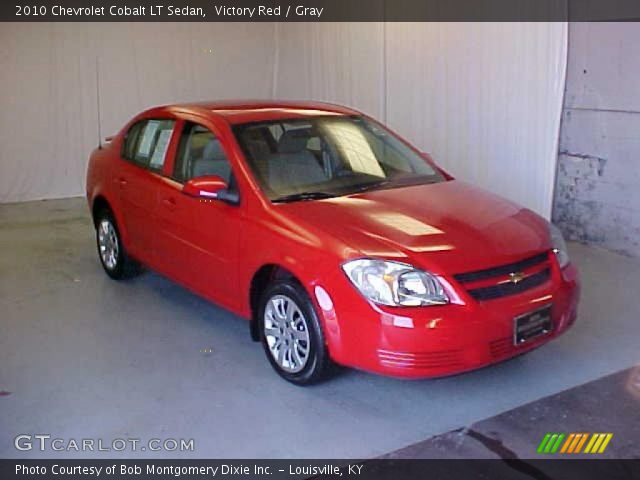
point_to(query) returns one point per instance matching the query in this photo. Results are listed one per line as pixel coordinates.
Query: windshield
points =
(321, 157)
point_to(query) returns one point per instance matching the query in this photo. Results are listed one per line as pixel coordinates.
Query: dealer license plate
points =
(532, 325)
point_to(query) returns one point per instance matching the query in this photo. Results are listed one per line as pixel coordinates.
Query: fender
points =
(109, 199)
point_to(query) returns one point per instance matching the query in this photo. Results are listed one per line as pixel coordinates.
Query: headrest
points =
(213, 150)
(293, 141)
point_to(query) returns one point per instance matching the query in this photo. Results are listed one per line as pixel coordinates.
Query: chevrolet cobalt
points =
(337, 240)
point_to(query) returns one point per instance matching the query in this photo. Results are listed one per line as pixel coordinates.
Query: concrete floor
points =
(82, 356)
(607, 405)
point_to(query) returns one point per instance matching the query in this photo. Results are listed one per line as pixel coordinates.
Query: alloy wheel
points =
(108, 244)
(287, 333)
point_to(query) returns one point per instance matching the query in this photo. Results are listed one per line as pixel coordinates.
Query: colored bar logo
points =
(574, 443)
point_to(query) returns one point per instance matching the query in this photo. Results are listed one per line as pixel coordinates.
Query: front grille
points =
(504, 289)
(502, 347)
(420, 360)
(492, 283)
(502, 270)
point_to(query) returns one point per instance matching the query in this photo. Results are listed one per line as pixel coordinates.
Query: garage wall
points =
(484, 99)
(52, 73)
(597, 195)
(335, 62)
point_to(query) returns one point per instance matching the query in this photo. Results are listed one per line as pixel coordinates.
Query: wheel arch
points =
(261, 279)
(100, 201)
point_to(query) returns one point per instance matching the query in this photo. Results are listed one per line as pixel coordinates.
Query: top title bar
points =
(319, 10)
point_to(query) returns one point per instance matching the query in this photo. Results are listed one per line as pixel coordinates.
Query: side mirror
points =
(210, 187)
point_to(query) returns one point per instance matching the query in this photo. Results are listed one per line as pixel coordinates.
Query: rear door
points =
(143, 154)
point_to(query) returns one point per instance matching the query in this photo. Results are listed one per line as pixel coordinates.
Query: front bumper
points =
(442, 340)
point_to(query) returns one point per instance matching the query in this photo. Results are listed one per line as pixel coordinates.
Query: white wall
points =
(50, 77)
(337, 62)
(484, 99)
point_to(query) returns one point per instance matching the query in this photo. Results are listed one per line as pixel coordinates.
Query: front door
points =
(197, 240)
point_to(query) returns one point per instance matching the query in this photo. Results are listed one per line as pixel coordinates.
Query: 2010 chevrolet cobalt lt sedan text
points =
(335, 238)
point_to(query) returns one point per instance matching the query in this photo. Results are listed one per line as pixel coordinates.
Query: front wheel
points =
(291, 334)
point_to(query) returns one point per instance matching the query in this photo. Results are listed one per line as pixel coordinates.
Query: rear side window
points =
(147, 142)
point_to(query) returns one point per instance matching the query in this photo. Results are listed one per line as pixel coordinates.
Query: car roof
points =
(247, 111)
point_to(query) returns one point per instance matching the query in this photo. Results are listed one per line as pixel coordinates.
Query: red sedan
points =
(337, 240)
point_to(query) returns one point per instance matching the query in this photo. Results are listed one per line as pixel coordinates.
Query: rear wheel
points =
(291, 334)
(111, 251)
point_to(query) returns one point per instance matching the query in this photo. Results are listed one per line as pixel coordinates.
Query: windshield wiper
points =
(296, 197)
(399, 182)
(370, 186)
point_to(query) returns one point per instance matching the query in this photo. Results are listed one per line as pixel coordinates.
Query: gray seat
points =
(213, 162)
(294, 164)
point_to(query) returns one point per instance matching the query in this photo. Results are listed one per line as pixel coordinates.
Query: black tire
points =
(124, 266)
(318, 364)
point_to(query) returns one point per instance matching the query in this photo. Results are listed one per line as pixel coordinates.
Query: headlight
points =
(559, 246)
(395, 284)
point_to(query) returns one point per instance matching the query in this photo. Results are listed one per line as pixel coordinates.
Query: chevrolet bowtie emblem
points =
(516, 277)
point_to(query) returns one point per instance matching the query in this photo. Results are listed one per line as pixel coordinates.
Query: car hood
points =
(447, 227)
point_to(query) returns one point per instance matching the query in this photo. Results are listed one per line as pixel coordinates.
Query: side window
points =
(200, 153)
(147, 142)
(129, 147)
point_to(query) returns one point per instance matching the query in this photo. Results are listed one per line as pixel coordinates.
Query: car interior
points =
(293, 163)
(291, 156)
(200, 154)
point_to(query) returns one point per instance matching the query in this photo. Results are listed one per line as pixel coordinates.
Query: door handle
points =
(122, 181)
(169, 202)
